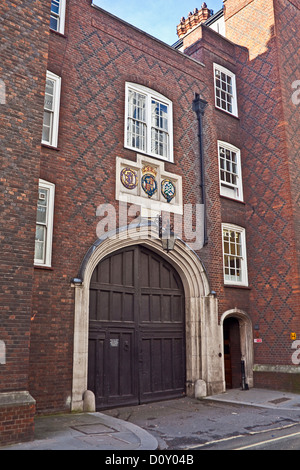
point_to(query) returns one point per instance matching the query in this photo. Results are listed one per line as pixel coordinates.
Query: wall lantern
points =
(167, 237)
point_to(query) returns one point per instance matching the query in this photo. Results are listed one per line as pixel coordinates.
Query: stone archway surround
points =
(246, 339)
(203, 365)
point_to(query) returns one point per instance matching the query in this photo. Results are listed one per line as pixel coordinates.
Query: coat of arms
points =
(129, 178)
(149, 183)
(168, 190)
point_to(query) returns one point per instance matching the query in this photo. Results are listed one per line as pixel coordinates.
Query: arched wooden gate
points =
(136, 329)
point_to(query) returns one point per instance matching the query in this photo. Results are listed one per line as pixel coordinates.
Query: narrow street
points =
(189, 424)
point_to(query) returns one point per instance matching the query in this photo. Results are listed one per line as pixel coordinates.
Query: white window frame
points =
(60, 16)
(227, 188)
(227, 93)
(48, 224)
(150, 94)
(230, 278)
(54, 112)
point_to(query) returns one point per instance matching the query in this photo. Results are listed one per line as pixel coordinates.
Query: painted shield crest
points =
(149, 184)
(168, 190)
(129, 178)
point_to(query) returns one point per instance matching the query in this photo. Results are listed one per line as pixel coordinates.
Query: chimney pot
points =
(194, 19)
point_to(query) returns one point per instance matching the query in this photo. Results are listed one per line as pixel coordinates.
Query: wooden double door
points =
(136, 330)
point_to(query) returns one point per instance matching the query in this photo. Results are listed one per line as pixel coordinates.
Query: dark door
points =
(232, 353)
(136, 330)
(227, 356)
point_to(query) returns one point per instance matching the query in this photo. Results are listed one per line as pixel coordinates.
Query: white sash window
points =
(148, 122)
(57, 15)
(230, 171)
(44, 224)
(225, 90)
(234, 255)
(51, 110)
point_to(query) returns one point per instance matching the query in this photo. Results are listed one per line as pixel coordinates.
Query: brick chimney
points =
(193, 20)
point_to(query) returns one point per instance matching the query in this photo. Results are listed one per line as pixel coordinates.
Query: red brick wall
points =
(16, 424)
(24, 46)
(274, 381)
(95, 59)
(211, 48)
(287, 26)
(269, 166)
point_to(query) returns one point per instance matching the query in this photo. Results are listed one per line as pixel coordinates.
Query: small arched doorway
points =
(238, 348)
(136, 329)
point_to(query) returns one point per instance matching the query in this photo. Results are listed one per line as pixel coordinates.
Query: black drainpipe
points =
(198, 106)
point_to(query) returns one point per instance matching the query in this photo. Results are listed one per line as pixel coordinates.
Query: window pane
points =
(136, 134)
(55, 6)
(54, 23)
(49, 95)
(136, 124)
(47, 119)
(47, 127)
(42, 206)
(40, 237)
(137, 106)
(159, 143)
(159, 134)
(159, 113)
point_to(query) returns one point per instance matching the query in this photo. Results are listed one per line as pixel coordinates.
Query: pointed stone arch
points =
(199, 304)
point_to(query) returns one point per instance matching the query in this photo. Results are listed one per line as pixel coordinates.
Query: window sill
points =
(57, 33)
(45, 268)
(232, 199)
(46, 146)
(227, 113)
(236, 286)
(150, 155)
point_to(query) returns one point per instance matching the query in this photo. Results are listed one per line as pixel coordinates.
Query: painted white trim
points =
(55, 123)
(50, 216)
(62, 17)
(234, 193)
(244, 268)
(234, 91)
(162, 99)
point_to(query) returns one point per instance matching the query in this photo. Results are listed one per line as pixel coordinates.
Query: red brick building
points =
(110, 129)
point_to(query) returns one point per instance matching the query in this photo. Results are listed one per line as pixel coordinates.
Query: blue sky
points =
(156, 17)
